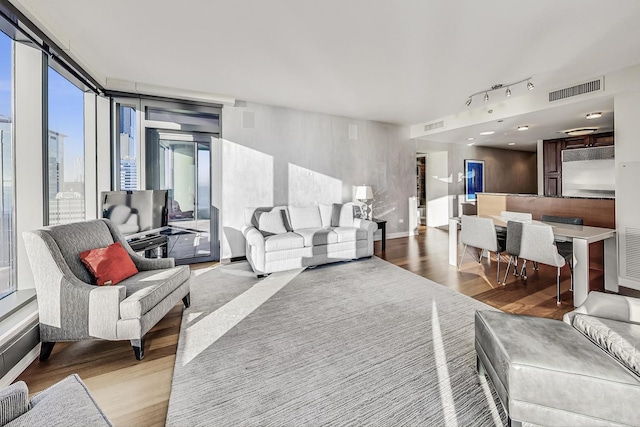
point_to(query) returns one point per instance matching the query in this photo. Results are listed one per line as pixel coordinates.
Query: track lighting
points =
(507, 93)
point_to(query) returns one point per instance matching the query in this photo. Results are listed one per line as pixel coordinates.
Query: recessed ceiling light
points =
(591, 116)
(489, 132)
(470, 138)
(523, 127)
(512, 143)
(470, 144)
(580, 131)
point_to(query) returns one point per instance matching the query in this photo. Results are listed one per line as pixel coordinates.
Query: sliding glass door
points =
(181, 163)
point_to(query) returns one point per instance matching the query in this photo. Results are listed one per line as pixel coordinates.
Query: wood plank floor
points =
(136, 393)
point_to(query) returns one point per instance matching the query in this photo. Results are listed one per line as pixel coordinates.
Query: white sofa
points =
(287, 237)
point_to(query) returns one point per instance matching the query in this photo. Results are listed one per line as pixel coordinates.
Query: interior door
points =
(181, 163)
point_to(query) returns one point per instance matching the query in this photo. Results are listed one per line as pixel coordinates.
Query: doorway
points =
(181, 163)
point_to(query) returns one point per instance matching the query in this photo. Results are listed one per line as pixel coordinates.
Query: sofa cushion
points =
(317, 236)
(280, 242)
(349, 234)
(342, 215)
(305, 217)
(325, 215)
(109, 265)
(270, 222)
(147, 288)
(620, 339)
(78, 237)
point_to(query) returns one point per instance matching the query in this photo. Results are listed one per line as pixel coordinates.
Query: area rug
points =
(354, 343)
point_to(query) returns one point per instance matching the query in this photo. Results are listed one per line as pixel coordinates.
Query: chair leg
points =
(558, 285)
(515, 266)
(187, 300)
(138, 348)
(498, 273)
(523, 272)
(464, 250)
(506, 273)
(45, 350)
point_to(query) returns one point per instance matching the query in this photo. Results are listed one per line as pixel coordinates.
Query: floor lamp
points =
(364, 194)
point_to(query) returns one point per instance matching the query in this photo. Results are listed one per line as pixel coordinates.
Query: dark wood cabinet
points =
(602, 139)
(552, 157)
(576, 142)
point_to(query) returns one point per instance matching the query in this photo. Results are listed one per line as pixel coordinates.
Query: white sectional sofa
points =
(287, 237)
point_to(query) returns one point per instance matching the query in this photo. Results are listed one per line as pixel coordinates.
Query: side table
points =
(382, 225)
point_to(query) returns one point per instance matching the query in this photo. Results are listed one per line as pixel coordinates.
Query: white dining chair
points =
(480, 233)
(537, 244)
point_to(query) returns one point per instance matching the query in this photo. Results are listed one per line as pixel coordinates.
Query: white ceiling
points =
(394, 61)
(543, 124)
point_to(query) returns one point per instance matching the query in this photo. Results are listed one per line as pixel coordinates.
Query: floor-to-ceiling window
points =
(65, 150)
(127, 149)
(7, 240)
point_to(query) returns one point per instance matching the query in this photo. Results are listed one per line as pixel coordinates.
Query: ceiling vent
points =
(579, 89)
(433, 126)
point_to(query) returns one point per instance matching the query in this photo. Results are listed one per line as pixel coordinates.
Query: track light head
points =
(507, 93)
(468, 102)
(530, 85)
(486, 96)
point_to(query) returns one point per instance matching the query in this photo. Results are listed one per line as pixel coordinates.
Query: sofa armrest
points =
(253, 236)
(608, 306)
(14, 401)
(104, 311)
(370, 226)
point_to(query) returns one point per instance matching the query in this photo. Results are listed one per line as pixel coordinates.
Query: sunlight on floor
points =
(444, 384)
(492, 404)
(207, 331)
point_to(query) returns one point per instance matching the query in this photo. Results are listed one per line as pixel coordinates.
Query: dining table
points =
(581, 236)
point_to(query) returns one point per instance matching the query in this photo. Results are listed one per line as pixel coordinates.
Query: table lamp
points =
(364, 194)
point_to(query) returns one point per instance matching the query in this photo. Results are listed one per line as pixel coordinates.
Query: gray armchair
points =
(66, 403)
(73, 308)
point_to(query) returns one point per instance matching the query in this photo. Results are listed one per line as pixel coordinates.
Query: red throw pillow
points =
(109, 265)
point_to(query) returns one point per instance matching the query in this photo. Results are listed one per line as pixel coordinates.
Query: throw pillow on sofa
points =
(305, 217)
(109, 265)
(342, 215)
(270, 222)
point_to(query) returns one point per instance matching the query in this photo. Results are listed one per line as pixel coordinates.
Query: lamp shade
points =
(364, 192)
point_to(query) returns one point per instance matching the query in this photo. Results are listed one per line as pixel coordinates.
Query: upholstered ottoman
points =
(547, 373)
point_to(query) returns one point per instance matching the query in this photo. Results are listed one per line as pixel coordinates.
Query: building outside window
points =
(65, 150)
(7, 238)
(128, 149)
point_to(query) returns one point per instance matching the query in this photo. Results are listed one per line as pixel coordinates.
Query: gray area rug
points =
(356, 343)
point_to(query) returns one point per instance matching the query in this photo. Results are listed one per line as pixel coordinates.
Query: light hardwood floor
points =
(136, 393)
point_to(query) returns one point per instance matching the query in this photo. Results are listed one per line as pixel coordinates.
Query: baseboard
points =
(23, 364)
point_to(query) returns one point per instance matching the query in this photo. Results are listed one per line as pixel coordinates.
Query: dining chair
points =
(564, 248)
(538, 245)
(512, 247)
(480, 233)
(518, 216)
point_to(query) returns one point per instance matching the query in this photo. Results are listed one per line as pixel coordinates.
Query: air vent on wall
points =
(632, 253)
(593, 153)
(432, 126)
(579, 89)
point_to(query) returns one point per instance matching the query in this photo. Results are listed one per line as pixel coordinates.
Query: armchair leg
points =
(187, 300)
(45, 350)
(138, 348)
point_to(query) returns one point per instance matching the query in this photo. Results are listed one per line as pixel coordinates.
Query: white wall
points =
(437, 178)
(292, 157)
